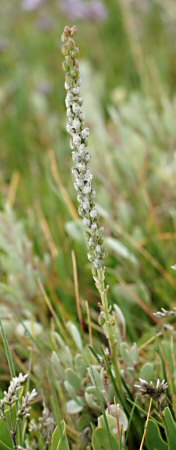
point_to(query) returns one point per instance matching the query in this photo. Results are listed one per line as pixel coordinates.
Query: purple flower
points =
(30, 5)
(79, 9)
(96, 11)
(45, 23)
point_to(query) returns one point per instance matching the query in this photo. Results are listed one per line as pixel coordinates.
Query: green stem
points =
(100, 284)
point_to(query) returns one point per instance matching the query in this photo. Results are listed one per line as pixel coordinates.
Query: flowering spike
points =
(78, 143)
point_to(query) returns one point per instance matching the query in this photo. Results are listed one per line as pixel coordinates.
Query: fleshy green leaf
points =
(147, 371)
(5, 439)
(154, 439)
(73, 407)
(170, 428)
(59, 438)
(73, 379)
(120, 249)
(101, 440)
(8, 352)
(75, 334)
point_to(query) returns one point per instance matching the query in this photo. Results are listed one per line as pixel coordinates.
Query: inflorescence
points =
(23, 405)
(155, 392)
(165, 313)
(11, 396)
(81, 157)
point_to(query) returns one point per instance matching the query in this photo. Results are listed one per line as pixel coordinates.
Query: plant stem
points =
(102, 288)
(11, 431)
(146, 425)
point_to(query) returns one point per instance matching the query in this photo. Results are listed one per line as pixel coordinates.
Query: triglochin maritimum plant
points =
(83, 185)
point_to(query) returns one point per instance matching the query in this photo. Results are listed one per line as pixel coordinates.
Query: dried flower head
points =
(25, 407)
(46, 422)
(78, 143)
(11, 395)
(44, 425)
(149, 389)
(165, 313)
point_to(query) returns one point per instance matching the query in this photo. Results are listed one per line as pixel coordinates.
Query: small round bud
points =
(97, 263)
(76, 90)
(85, 133)
(93, 213)
(90, 257)
(76, 124)
(87, 189)
(94, 226)
(76, 140)
(86, 222)
(76, 108)
(101, 319)
(98, 249)
(81, 167)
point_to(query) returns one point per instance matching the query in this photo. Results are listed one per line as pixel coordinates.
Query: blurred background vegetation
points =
(128, 70)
